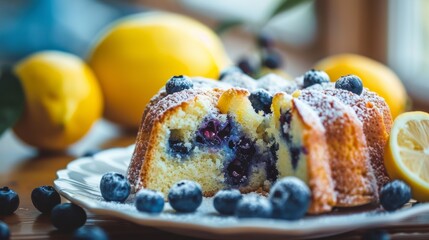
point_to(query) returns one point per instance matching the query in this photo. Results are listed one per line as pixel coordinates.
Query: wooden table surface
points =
(22, 169)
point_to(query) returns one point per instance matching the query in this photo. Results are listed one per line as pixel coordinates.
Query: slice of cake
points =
(350, 164)
(301, 149)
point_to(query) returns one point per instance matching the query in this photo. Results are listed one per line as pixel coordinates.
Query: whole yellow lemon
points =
(375, 76)
(63, 100)
(137, 55)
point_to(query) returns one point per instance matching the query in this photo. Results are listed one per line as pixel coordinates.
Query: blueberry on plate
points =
(394, 195)
(225, 201)
(68, 217)
(376, 235)
(350, 83)
(253, 206)
(261, 100)
(290, 198)
(178, 83)
(45, 198)
(89, 233)
(149, 201)
(315, 77)
(185, 196)
(114, 187)
(4, 231)
(9, 201)
(229, 71)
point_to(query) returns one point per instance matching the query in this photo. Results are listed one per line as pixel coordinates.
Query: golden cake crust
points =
(354, 180)
(376, 133)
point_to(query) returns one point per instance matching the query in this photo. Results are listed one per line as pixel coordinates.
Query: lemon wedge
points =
(407, 152)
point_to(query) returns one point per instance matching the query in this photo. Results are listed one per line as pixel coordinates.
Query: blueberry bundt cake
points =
(234, 134)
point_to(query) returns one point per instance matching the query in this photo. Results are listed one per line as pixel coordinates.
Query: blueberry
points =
(315, 77)
(272, 59)
(9, 201)
(229, 71)
(350, 83)
(179, 147)
(376, 235)
(253, 206)
(89, 233)
(68, 216)
(261, 100)
(91, 152)
(290, 198)
(149, 201)
(394, 195)
(185, 196)
(246, 66)
(4, 231)
(225, 201)
(265, 41)
(178, 83)
(209, 133)
(114, 187)
(45, 198)
(238, 169)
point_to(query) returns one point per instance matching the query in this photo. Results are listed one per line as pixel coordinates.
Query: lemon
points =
(407, 152)
(137, 55)
(63, 100)
(375, 76)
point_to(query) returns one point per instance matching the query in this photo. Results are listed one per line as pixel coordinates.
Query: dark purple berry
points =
(225, 201)
(290, 198)
(229, 71)
(394, 195)
(253, 206)
(185, 196)
(90, 233)
(9, 201)
(376, 235)
(209, 133)
(261, 100)
(315, 77)
(68, 217)
(179, 147)
(245, 147)
(178, 83)
(272, 59)
(350, 83)
(149, 201)
(4, 231)
(238, 169)
(114, 187)
(45, 198)
(246, 66)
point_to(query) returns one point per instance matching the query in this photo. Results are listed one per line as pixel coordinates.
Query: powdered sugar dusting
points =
(328, 108)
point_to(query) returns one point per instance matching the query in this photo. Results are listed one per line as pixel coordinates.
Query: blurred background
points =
(394, 32)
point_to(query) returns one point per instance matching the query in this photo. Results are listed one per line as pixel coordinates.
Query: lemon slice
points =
(407, 152)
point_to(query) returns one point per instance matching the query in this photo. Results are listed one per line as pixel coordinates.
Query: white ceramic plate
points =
(79, 184)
